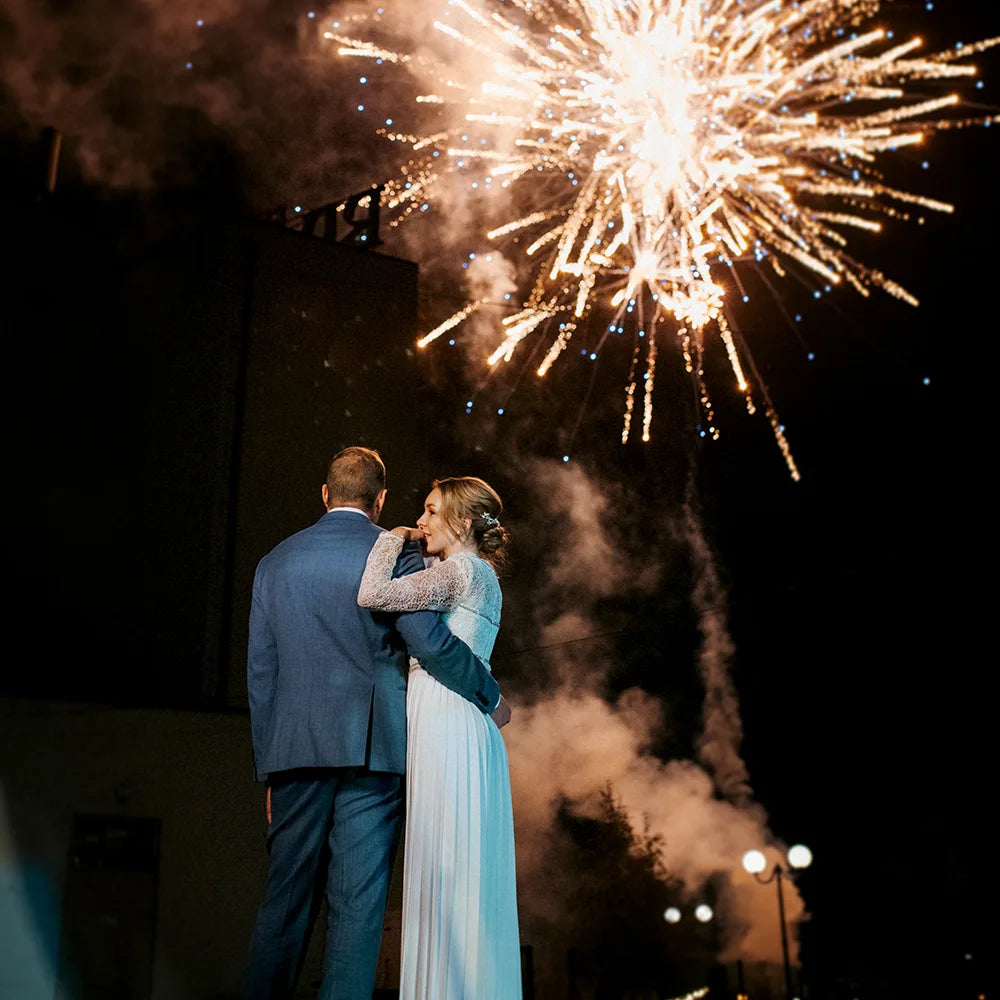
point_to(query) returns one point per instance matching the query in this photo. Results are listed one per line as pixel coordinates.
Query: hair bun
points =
(493, 540)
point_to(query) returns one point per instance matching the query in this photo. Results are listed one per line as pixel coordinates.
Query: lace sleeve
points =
(436, 589)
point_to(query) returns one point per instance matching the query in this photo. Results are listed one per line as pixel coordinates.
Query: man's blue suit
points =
(327, 690)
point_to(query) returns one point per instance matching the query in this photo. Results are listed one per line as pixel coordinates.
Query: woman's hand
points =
(409, 534)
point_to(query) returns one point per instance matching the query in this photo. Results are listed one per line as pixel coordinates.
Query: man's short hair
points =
(355, 478)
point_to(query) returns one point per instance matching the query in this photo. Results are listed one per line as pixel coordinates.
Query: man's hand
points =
(267, 804)
(501, 714)
(409, 534)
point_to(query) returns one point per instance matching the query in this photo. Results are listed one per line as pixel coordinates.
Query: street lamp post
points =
(754, 862)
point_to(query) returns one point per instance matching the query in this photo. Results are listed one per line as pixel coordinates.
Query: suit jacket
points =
(327, 679)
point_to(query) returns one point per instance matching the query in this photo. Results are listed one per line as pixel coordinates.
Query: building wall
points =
(188, 770)
(175, 398)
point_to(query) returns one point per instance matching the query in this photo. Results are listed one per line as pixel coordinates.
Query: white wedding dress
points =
(460, 930)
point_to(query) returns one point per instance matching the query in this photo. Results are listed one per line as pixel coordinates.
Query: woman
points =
(460, 933)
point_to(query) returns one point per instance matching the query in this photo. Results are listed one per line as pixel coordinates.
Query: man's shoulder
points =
(291, 542)
(331, 531)
(345, 527)
(336, 522)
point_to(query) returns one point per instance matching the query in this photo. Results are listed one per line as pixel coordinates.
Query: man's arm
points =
(446, 658)
(262, 671)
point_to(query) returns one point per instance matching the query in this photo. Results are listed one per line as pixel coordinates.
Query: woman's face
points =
(440, 538)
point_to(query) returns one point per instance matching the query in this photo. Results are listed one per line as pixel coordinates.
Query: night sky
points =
(857, 599)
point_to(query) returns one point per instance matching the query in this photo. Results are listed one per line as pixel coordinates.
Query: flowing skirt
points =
(460, 932)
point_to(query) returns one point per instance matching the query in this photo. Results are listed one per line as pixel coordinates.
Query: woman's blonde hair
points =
(473, 498)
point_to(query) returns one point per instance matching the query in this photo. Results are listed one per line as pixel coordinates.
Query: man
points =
(327, 689)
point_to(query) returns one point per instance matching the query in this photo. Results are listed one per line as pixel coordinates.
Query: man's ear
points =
(379, 503)
(325, 494)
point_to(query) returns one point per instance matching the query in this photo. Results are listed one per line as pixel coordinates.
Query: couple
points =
(336, 609)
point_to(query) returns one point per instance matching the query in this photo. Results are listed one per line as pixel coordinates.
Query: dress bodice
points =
(476, 618)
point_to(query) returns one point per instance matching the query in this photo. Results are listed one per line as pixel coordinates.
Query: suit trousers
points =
(332, 831)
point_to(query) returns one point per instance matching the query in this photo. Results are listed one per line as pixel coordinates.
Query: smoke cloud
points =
(722, 729)
(159, 94)
(573, 741)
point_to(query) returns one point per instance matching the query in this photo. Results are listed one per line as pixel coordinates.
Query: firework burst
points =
(650, 145)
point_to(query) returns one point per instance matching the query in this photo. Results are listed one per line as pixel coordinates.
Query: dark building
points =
(177, 384)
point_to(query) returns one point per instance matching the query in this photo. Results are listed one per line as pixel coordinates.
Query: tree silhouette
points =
(614, 888)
